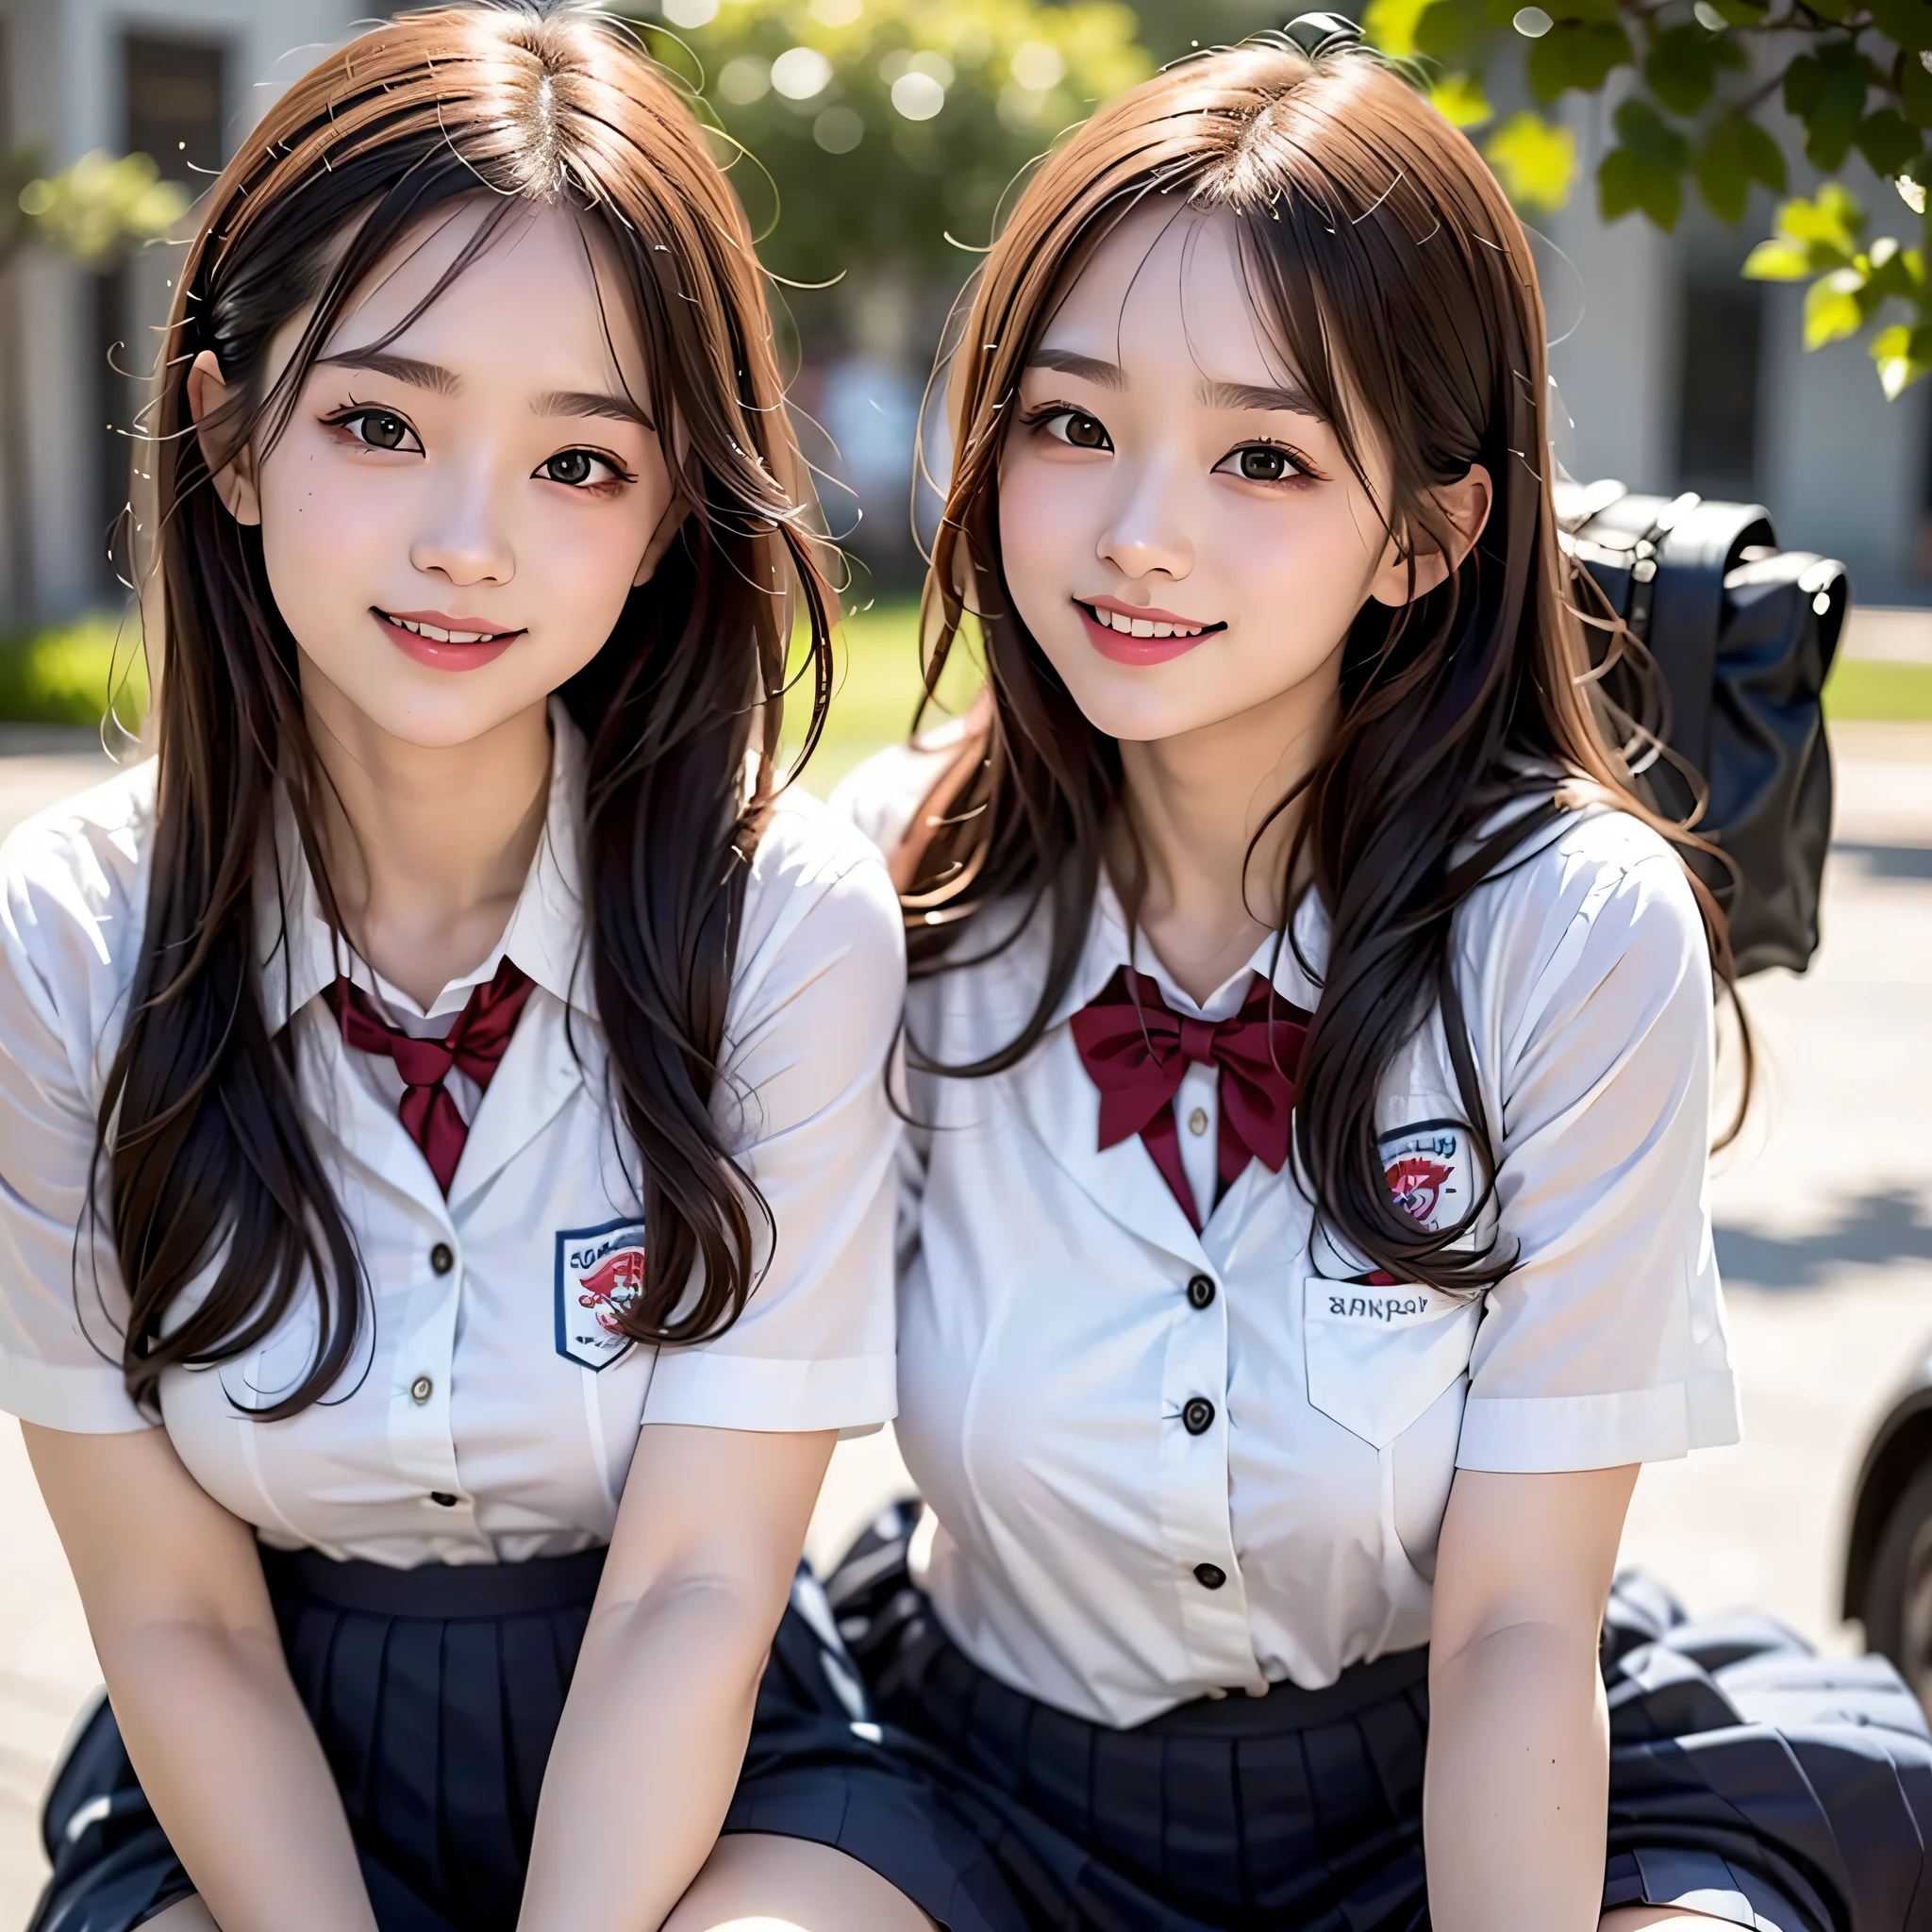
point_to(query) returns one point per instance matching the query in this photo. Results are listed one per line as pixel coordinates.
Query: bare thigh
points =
(191, 1915)
(756, 1882)
(1641, 1918)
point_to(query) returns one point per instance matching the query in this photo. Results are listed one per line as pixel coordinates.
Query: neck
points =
(427, 847)
(1210, 890)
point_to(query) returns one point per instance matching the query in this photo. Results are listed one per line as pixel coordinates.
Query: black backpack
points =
(1743, 634)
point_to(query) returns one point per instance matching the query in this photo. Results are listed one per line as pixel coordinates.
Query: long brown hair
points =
(1401, 288)
(210, 1169)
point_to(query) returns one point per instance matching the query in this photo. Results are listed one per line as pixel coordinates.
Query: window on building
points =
(1717, 416)
(173, 98)
(174, 104)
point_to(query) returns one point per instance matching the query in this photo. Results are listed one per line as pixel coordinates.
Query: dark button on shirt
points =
(1209, 1575)
(1197, 1415)
(442, 1258)
(1200, 1291)
(444, 1497)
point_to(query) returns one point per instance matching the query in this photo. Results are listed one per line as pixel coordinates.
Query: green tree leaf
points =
(1778, 260)
(1736, 153)
(1904, 355)
(1827, 92)
(1448, 29)
(1577, 54)
(1683, 64)
(1460, 101)
(1832, 309)
(1645, 169)
(1889, 142)
(1906, 22)
(1390, 24)
(1535, 160)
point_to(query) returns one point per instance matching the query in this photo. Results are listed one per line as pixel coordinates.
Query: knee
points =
(755, 1882)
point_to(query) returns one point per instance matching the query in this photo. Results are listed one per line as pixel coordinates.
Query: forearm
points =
(646, 1758)
(230, 1763)
(1516, 1790)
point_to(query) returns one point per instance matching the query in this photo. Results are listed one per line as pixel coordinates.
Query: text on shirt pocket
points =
(1379, 1356)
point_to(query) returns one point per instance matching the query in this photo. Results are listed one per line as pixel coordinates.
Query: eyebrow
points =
(1289, 397)
(579, 402)
(430, 376)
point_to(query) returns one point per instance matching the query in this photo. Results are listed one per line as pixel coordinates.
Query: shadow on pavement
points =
(1885, 861)
(1877, 1228)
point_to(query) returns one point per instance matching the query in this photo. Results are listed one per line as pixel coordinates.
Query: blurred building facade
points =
(181, 80)
(1673, 372)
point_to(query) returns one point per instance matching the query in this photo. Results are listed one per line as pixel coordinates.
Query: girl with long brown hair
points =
(441, 1088)
(1310, 1065)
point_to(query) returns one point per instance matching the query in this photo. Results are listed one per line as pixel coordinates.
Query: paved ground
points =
(1825, 1230)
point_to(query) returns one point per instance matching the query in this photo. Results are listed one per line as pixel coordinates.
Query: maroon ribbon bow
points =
(477, 1043)
(1136, 1049)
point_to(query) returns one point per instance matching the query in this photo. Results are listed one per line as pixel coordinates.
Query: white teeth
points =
(437, 635)
(1144, 627)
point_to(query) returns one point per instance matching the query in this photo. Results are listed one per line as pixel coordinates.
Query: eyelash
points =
(1302, 470)
(359, 413)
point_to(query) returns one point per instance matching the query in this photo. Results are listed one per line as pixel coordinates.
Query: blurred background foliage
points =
(1713, 97)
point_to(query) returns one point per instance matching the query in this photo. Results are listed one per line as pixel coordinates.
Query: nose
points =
(464, 537)
(1148, 534)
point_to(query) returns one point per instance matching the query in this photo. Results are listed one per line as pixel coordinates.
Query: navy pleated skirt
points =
(436, 1693)
(1750, 1780)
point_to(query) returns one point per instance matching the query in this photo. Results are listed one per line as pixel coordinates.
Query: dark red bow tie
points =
(1136, 1049)
(475, 1043)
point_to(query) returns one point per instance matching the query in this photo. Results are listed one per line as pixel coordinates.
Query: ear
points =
(232, 469)
(1465, 506)
(684, 495)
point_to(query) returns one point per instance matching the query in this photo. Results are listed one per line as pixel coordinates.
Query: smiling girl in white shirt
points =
(1311, 1048)
(452, 1051)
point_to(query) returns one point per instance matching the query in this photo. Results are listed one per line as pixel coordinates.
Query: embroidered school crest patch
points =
(1428, 1169)
(600, 1272)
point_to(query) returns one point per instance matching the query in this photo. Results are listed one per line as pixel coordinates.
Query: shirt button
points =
(421, 1390)
(442, 1258)
(1209, 1575)
(1200, 1291)
(1197, 1121)
(1197, 1415)
(449, 1502)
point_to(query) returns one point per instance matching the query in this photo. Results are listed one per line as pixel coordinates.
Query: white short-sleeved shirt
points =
(490, 1415)
(1090, 1548)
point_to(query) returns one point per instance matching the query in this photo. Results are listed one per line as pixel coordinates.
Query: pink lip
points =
(1125, 650)
(445, 657)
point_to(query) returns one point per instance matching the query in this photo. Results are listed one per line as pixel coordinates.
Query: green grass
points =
(876, 691)
(63, 675)
(1871, 688)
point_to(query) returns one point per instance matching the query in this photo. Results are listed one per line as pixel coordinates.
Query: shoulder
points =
(1596, 898)
(817, 886)
(881, 796)
(73, 908)
(78, 870)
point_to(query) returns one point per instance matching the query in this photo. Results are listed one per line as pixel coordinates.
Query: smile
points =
(1131, 636)
(442, 641)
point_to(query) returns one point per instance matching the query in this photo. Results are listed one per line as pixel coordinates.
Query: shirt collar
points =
(1109, 948)
(299, 956)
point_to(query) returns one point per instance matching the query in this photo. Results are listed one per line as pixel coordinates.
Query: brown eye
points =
(1085, 432)
(379, 428)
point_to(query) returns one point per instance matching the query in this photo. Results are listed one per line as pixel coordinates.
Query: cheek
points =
(1045, 531)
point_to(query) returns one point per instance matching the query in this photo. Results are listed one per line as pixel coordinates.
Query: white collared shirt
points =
(490, 1415)
(1164, 1464)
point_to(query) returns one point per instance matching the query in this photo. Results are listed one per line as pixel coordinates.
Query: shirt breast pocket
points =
(1378, 1358)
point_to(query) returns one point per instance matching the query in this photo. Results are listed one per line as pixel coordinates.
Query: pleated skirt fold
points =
(436, 1696)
